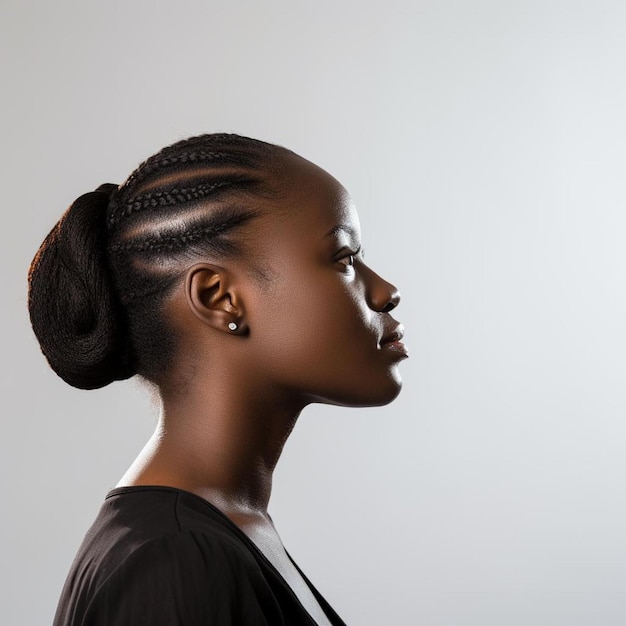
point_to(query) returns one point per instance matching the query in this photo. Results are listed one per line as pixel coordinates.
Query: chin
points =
(391, 389)
(370, 394)
(387, 395)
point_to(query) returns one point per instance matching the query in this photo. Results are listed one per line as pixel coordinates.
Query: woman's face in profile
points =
(322, 324)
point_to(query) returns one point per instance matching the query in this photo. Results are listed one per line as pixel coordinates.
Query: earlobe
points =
(213, 298)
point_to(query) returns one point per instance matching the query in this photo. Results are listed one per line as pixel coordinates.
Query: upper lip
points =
(395, 334)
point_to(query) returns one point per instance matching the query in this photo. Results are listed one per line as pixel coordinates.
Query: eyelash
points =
(352, 257)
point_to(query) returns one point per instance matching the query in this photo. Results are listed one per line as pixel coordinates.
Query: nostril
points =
(382, 295)
(394, 300)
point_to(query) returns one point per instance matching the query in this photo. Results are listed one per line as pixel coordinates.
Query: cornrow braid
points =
(155, 199)
(188, 201)
(178, 241)
(189, 151)
(180, 161)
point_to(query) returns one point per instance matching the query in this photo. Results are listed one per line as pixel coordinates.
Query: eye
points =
(348, 260)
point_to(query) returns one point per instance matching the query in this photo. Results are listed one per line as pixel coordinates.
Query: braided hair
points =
(99, 279)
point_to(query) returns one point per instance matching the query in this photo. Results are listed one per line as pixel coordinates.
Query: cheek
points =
(325, 308)
(321, 328)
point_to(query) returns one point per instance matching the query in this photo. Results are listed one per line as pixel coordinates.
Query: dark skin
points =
(318, 329)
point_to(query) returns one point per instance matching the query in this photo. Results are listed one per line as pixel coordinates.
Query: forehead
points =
(314, 201)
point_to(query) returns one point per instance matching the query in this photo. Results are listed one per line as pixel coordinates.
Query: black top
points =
(159, 556)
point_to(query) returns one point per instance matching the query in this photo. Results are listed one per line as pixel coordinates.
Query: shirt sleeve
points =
(185, 579)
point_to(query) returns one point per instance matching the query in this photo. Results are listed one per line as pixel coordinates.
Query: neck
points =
(221, 447)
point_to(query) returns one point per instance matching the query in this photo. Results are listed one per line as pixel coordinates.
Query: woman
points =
(228, 273)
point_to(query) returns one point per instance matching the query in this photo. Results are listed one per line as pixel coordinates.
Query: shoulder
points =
(182, 578)
(156, 557)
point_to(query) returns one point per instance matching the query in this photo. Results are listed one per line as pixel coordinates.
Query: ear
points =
(214, 299)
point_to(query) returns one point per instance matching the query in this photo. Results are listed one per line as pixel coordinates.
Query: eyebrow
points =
(341, 227)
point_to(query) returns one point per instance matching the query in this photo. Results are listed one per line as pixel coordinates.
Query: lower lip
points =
(395, 346)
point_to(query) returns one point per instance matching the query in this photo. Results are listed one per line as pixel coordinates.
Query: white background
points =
(484, 144)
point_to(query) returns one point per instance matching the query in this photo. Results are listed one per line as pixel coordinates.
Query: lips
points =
(392, 336)
(392, 344)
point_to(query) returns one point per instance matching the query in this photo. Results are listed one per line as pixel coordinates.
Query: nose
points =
(382, 295)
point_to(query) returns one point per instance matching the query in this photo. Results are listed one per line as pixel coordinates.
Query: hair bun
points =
(74, 310)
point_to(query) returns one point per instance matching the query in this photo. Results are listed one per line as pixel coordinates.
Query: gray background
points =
(484, 145)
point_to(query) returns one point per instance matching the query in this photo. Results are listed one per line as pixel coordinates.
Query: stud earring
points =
(232, 326)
